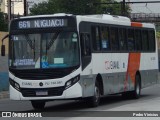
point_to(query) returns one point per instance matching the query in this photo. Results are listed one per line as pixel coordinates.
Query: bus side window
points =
(85, 44)
(122, 39)
(138, 38)
(145, 41)
(151, 35)
(114, 38)
(96, 38)
(131, 40)
(105, 42)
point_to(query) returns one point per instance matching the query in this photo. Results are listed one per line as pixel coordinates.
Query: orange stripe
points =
(133, 67)
(136, 24)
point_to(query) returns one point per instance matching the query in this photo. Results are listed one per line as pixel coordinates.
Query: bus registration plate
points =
(38, 93)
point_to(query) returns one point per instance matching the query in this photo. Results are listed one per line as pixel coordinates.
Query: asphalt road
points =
(149, 101)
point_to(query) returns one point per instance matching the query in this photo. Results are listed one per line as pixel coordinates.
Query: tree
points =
(3, 23)
(158, 35)
(115, 8)
(75, 7)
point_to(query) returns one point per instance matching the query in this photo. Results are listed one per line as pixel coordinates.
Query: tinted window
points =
(151, 34)
(122, 39)
(131, 40)
(96, 38)
(105, 43)
(85, 44)
(145, 42)
(114, 38)
(138, 39)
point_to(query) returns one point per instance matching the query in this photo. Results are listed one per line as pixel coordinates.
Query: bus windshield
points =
(44, 50)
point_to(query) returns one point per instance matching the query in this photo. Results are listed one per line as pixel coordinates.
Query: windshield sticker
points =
(58, 60)
(15, 38)
(75, 35)
(74, 40)
(44, 64)
(23, 62)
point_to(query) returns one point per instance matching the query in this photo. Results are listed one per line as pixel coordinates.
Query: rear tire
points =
(38, 105)
(137, 90)
(135, 94)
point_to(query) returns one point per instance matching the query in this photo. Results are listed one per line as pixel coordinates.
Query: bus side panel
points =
(149, 69)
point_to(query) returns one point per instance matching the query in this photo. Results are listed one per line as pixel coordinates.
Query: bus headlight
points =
(14, 84)
(72, 81)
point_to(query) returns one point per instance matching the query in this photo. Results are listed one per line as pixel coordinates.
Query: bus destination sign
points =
(42, 23)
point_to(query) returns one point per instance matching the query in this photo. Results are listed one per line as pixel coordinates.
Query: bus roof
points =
(114, 20)
(98, 18)
(42, 16)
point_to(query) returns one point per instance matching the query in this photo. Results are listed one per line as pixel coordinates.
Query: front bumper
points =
(72, 92)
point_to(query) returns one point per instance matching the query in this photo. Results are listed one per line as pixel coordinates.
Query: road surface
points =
(149, 101)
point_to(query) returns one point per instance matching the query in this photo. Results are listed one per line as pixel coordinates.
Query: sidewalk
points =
(4, 94)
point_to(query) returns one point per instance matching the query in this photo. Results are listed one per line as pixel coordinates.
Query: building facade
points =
(2, 5)
(17, 6)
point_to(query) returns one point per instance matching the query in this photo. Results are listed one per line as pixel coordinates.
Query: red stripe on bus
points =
(136, 24)
(133, 67)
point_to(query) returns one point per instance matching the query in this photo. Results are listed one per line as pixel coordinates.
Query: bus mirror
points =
(3, 50)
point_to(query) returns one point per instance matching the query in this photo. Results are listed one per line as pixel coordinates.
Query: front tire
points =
(38, 105)
(95, 100)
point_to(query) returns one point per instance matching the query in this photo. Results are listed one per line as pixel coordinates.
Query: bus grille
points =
(39, 74)
(31, 92)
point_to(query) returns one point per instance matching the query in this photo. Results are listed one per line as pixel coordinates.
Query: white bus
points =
(64, 56)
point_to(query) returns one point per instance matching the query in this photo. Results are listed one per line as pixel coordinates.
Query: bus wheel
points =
(94, 101)
(38, 105)
(137, 89)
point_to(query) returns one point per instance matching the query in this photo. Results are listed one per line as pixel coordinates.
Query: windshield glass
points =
(45, 50)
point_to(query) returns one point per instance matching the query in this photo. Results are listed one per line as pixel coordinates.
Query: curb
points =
(4, 94)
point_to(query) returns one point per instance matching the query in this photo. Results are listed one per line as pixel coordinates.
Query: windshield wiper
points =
(29, 41)
(52, 40)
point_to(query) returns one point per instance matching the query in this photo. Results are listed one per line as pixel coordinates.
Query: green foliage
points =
(80, 7)
(40, 8)
(158, 34)
(3, 23)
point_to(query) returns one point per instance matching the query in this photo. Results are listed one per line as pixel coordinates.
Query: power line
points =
(123, 3)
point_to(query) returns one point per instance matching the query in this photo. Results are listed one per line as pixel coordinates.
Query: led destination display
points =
(42, 23)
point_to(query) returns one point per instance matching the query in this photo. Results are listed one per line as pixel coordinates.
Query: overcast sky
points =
(144, 8)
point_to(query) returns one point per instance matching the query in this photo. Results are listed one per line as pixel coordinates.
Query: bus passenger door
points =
(86, 76)
(85, 49)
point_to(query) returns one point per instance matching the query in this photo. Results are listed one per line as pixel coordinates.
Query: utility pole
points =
(123, 3)
(123, 8)
(9, 11)
(25, 7)
(10, 8)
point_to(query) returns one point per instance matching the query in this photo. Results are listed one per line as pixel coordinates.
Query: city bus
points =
(85, 57)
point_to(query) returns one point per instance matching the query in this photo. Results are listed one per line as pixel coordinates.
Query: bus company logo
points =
(111, 65)
(41, 84)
